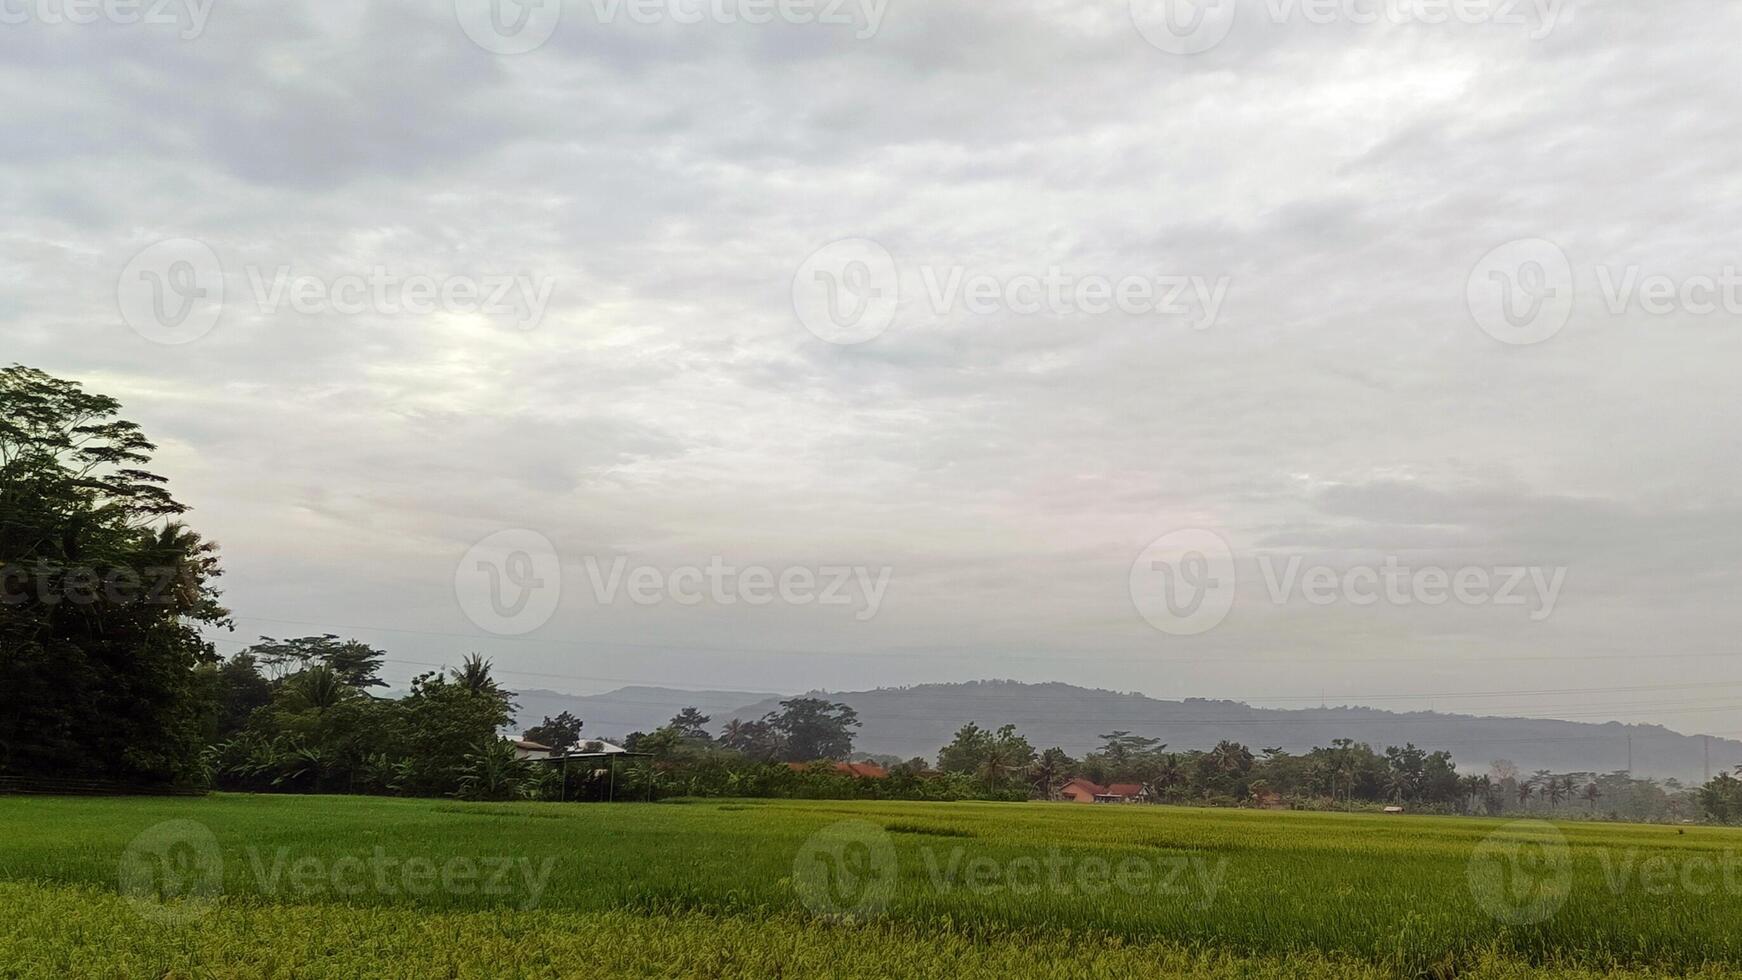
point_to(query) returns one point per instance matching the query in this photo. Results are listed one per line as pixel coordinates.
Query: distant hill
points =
(626, 710)
(910, 721)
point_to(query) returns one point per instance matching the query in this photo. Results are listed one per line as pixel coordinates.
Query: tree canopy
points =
(103, 593)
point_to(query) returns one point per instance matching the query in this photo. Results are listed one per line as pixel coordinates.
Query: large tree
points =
(103, 593)
(359, 664)
(813, 728)
(692, 724)
(560, 733)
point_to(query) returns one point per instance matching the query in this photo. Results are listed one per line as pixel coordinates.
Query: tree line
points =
(106, 595)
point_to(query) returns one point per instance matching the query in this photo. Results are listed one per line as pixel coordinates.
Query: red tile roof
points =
(863, 770)
(1083, 786)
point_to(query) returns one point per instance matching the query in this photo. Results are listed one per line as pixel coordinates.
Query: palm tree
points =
(1591, 795)
(1524, 787)
(318, 687)
(1398, 784)
(1169, 773)
(997, 764)
(1047, 771)
(473, 674)
(1472, 788)
(733, 735)
(1231, 757)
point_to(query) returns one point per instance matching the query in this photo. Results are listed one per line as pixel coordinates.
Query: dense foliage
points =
(103, 591)
(315, 728)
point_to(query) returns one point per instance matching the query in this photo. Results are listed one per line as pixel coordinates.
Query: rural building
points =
(524, 749)
(1081, 790)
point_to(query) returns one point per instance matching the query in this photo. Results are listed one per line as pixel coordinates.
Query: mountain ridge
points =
(916, 720)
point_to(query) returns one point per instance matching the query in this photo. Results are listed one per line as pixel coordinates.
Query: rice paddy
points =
(235, 885)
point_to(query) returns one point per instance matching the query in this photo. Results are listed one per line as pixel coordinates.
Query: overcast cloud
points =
(1338, 182)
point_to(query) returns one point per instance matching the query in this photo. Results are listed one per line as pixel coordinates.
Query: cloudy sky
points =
(1452, 297)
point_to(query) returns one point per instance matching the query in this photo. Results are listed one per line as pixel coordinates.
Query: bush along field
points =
(238, 885)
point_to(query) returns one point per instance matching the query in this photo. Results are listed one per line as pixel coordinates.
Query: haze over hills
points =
(627, 709)
(910, 721)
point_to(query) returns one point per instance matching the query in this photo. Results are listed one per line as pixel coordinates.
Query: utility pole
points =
(1629, 755)
(1708, 741)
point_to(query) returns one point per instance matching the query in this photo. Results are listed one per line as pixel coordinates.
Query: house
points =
(597, 746)
(862, 770)
(1123, 793)
(1394, 809)
(525, 749)
(1079, 790)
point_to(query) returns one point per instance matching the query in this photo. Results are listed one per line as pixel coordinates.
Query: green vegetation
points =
(716, 888)
(102, 593)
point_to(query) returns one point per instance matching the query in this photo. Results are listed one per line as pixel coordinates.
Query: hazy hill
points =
(625, 710)
(918, 720)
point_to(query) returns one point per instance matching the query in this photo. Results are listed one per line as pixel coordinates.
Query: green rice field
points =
(281, 886)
